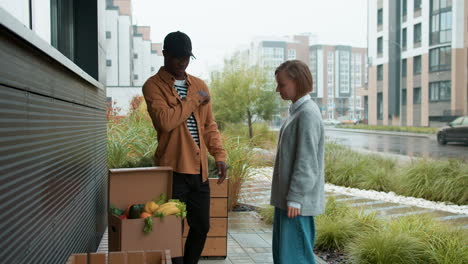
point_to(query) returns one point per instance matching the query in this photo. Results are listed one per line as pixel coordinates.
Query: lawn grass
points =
(422, 130)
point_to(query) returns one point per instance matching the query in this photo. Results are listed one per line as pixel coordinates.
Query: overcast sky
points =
(218, 27)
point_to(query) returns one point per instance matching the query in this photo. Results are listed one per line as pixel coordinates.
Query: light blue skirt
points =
(293, 239)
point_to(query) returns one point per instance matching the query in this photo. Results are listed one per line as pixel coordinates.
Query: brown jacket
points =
(169, 113)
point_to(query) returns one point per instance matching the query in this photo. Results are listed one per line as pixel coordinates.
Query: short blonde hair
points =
(299, 72)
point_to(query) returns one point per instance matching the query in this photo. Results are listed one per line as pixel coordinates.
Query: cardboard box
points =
(130, 257)
(137, 186)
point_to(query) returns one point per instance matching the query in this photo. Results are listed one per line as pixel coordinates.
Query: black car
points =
(456, 131)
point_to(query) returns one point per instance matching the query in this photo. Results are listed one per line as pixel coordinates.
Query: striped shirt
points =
(181, 88)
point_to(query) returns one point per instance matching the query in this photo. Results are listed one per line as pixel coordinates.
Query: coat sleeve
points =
(212, 136)
(165, 117)
(306, 169)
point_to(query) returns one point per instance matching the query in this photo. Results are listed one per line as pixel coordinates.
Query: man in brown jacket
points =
(180, 108)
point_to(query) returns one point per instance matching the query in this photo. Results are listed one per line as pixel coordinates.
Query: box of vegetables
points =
(141, 217)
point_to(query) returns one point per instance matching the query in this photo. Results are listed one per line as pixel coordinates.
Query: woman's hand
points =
(293, 212)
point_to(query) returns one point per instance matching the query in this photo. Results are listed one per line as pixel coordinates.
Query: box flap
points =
(138, 185)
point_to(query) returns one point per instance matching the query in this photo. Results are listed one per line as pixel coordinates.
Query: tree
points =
(242, 93)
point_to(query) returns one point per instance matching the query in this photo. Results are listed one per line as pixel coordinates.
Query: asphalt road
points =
(397, 144)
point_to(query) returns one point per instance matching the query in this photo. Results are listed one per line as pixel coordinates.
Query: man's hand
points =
(293, 212)
(204, 97)
(221, 166)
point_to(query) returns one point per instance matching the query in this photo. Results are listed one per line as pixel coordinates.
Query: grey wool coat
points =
(298, 175)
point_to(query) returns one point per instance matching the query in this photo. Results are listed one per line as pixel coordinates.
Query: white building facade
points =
(131, 56)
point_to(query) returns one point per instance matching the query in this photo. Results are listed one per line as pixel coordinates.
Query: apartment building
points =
(270, 52)
(418, 59)
(131, 56)
(338, 72)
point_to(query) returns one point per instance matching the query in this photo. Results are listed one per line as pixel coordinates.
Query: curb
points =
(351, 130)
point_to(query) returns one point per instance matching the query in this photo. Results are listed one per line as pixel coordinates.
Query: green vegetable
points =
(162, 199)
(148, 225)
(116, 211)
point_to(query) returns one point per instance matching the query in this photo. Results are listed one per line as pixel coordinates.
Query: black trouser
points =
(196, 195)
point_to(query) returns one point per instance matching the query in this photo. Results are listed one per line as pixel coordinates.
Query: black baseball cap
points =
(178, 44)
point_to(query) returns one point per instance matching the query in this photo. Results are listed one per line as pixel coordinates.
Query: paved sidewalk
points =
(249, 241)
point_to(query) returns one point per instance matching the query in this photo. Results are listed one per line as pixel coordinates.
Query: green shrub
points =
(340, 224)
(368, 239)
(352, 169)
(442, 243)
(239, 161)
(267, 214)
(423, 130)
(263, 137)
(436, 180)
(447, 246)
(385, 247)
(334, 233)
(131, 140)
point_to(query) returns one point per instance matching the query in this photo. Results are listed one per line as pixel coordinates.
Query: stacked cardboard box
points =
(216, 243)
(137, 186)
(135, 257)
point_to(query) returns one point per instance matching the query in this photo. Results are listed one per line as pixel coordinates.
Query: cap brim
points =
(181, 53)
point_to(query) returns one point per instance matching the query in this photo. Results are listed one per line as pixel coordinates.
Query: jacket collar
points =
(169, 79)
(294, 107)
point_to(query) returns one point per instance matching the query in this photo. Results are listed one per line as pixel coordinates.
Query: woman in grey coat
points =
(297, 190)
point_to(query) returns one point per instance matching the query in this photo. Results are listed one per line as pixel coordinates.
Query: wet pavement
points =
(414, 146)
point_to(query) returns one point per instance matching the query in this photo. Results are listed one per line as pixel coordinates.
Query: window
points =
(152, 69)
(135, 55)
(108, 34)
(439, 91)
(291, 54)
(403, 68)
(403, 39)
(380, 17)
(108, 63)
(379, 72)
(403, 96)
(417, 33)
(135, 76)
(379, 106)
(380, 45)
(63, 27)
(417, 65)
(457, 122)
(440, 21)
(465, 122)
(417, 95)
(440, 59)
(417, 5)
(404, 8)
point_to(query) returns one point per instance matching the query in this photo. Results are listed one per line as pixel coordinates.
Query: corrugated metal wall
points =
(53, 173)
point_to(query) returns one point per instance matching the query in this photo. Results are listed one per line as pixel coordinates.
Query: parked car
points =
(353, 121)
(455, 131)
(331, 122)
